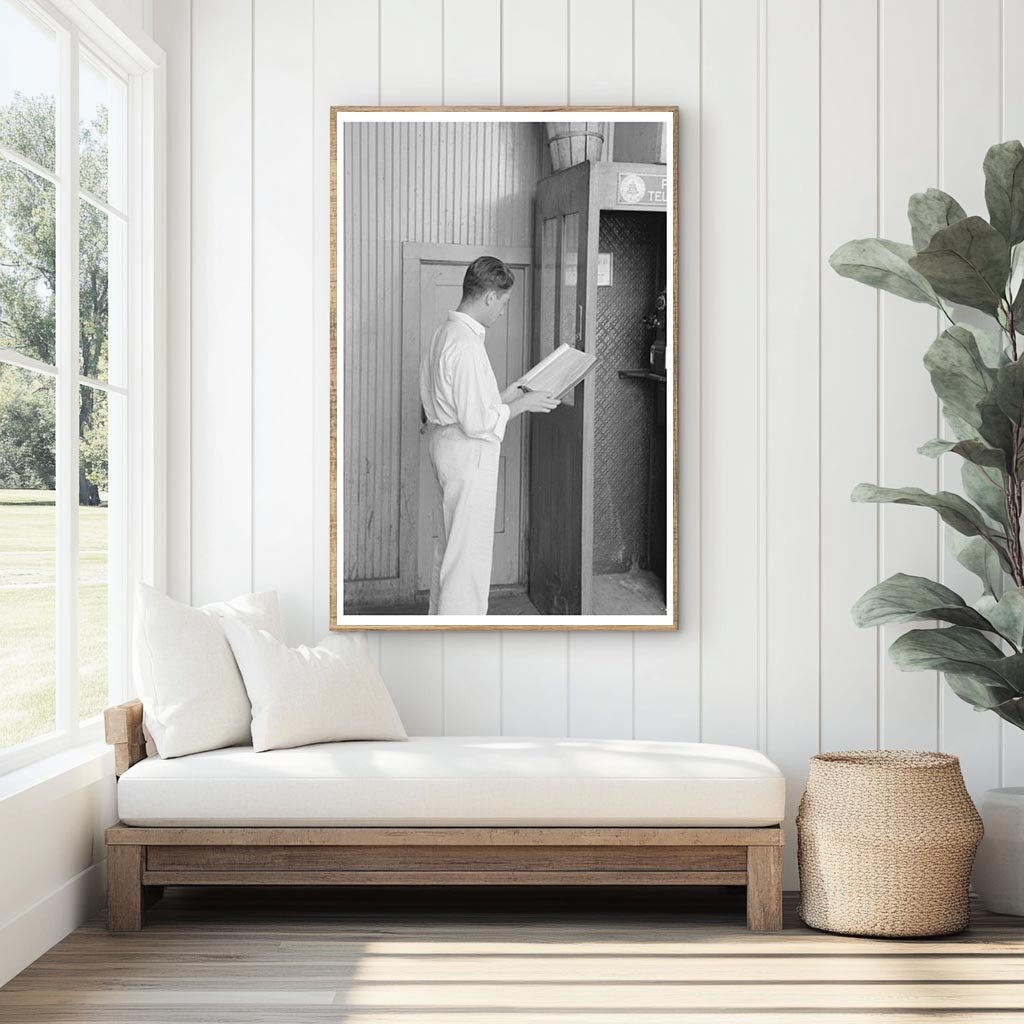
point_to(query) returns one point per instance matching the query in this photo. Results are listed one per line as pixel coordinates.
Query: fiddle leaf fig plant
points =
(977, 373)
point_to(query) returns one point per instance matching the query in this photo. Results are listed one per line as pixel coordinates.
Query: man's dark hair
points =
(486, 274)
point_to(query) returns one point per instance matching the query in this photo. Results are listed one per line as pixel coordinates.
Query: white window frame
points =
(141, 64)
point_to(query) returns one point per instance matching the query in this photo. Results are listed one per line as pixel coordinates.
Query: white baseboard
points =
(25, 938)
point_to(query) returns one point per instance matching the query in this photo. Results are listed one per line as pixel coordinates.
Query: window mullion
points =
(67, 387)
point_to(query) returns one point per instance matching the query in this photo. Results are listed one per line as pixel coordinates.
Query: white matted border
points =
(339, 115)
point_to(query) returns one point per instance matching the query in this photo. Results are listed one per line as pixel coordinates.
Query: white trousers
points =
(466, 469)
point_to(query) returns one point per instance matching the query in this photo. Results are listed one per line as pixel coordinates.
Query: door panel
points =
(560, 538)
(505, 341)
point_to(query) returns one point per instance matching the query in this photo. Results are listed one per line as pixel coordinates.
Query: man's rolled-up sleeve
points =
(479, 407)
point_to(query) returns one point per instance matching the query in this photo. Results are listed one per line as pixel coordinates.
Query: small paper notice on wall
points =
(604, 268)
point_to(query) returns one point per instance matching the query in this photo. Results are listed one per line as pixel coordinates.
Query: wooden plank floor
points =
(262, 956)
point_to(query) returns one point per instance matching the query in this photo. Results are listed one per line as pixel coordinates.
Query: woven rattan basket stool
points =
(885, 843)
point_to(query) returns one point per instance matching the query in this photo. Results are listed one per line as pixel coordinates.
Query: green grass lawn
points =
(28, 614)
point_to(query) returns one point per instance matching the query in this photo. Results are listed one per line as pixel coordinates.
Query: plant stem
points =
(1012, 497)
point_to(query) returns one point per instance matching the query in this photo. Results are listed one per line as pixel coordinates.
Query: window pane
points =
(28, 545)
(28, 85)
(28, 263)
(101, 281)
(94, 547)
(101, 104)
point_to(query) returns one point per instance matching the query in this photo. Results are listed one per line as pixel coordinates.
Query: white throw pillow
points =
(192, 693)
(310, 694)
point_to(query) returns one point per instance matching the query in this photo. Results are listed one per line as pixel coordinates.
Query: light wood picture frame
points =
(586, 504)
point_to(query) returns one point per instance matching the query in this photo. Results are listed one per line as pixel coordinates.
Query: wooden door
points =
(561, 442)
(440, 289)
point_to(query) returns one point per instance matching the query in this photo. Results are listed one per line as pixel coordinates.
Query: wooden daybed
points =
(143, 858)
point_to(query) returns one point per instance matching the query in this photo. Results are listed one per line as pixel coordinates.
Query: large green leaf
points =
(883, 264)
(1004, 189)
(990, 345)
(973, 451)
(976, 555)
(931, 211)
(986, 488)
(903, 598)
(954, 510)
(967, 263)
(1009, 390)
(984, 695)
(996, 427)
(962, 430)
(1006, 614)
(964, 652)
(958, 372)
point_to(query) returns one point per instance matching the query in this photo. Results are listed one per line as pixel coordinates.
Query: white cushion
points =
(309, 694)
(191, 691)
(456, 780)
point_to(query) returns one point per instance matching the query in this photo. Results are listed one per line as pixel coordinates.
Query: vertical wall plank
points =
(472, 75)
(412, 71)
(472, 52)
(283, 336)
(413, 673)
(535, 667)
(969, 124)
(600, 52)
(411, 68)
(535, 681)
(472, 684)
(729, 386)
(792, 385)
(849, 372)
(601, 71)
(534, 38)
(601, 685)
(908, 102)
(1012, 127)
(666, 666)
(172, 29)
(345, 49)
(221, 376)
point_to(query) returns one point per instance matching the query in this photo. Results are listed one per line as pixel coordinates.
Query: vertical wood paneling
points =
(412, 665)
(535, 668)
(535, 48)
(411, 56)
(221, 377)
(729, 497)
(1012, 127)
(666, 666)
(968, 125)
(792, 418)
(849, 369)
(472, 684)
(283, 337)
(909, 416)
(601, 685)
(600, 52)
(601, 668)
(535, 684)
(344, 52)
(173, 30)
(895, 118)
(472, 74)
(411, 72)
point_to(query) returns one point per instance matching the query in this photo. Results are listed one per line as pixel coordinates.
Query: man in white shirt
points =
(466, 417)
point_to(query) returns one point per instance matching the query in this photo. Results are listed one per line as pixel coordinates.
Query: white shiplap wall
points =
(803, 123)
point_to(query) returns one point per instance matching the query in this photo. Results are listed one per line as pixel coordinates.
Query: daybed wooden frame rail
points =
(142, 860)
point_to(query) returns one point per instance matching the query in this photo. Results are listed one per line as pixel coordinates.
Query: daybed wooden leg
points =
(124, 888)
(764, 888)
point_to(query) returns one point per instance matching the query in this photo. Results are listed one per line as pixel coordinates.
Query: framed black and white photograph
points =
(504, 353)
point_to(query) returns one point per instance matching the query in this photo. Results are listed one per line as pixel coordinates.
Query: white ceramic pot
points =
(999, 866)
